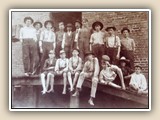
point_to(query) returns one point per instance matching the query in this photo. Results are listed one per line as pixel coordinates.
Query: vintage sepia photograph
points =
(80, 59)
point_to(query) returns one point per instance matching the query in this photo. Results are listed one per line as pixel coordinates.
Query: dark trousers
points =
(28, 48)
(129, 55)
(58, 49)
(67, 49)
(112, 53)
(98, 51)
(37, 59)
(46, 46)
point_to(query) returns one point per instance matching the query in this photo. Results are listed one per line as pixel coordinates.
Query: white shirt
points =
(128, 44)
(113, 41)
(139, 81)
(77, 34)
(108, 74)
(61, 63)
(48, 36)
(97, 38)
(28, 33)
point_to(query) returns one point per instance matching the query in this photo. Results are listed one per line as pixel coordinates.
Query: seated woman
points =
(48, 70)
(108, 73)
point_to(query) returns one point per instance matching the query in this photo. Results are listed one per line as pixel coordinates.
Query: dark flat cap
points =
(105, 58)
(138, 65)
(89, 53)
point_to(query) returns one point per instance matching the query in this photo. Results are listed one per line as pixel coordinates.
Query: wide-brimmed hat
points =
(97, 23)
(138, 65)
(125, 28)
(37, 22)
(69, 25)
(105, 58)
(88, 53)
(111, 27)
(48, 21)
(62, 51)
(28, 18)
(123, 59)
(79, 22)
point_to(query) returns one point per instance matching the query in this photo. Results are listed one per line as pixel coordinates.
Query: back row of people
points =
(36, 43)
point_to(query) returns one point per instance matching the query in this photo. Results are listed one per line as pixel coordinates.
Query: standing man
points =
(78, 42)
(86, 33)
(60, 38)
(47, 41)
(90, 70)
(68, 40)
(28, 39)
(37, 25)
(97, 40)
(128, 46)
(113, 45)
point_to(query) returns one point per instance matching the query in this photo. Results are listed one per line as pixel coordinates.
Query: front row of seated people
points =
(79, 71)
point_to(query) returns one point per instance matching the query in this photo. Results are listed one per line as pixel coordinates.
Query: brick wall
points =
(137, 22)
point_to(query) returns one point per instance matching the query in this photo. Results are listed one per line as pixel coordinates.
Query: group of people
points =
(81, 54)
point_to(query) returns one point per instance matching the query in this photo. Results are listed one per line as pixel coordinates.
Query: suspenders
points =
(72, 61)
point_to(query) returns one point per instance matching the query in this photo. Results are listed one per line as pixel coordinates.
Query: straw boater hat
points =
(125, 28)
(37, 22)
(111, 27)
(124, 59)
(79, 22)
(97, 23)
(138, 65)
(62, 51)
(48, 21)
(28, 18)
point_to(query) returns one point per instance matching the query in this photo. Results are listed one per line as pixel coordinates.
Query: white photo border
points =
(80, 10)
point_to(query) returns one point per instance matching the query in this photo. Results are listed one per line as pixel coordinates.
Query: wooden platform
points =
(35, 80)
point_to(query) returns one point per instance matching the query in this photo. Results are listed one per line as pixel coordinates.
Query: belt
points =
(98, 44)
(27, 38)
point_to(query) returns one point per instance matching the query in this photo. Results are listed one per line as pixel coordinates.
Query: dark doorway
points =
(66, 17)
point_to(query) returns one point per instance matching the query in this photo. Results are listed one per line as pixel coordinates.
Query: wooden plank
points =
(33, 81)
(74, 101)
(120, 93)
(106, 89)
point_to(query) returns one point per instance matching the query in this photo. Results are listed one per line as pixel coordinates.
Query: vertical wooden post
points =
(74, 101)
(12, 95)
